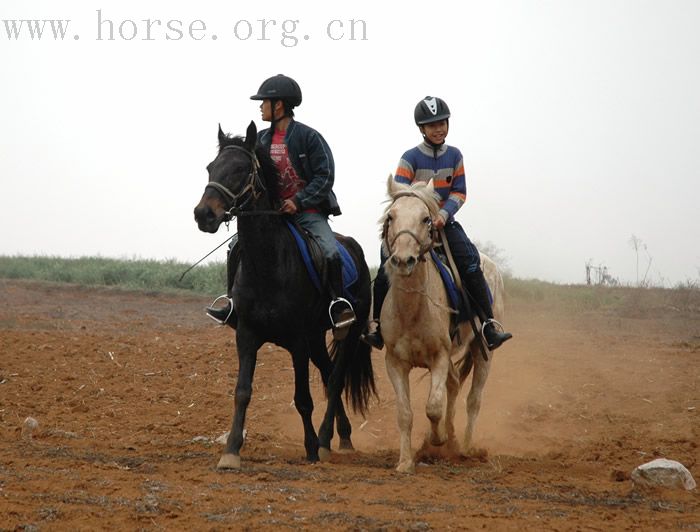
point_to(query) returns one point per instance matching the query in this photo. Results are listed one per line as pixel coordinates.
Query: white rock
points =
(201, 439)
(30, 425)
(663, 472)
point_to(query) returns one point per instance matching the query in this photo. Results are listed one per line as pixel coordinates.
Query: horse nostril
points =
(411, 262)
(395, 261)
(201, 212)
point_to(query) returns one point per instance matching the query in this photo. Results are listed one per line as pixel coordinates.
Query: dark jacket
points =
(313, 161)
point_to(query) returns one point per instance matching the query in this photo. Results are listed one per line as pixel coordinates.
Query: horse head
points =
(407, 225)
(234, 180)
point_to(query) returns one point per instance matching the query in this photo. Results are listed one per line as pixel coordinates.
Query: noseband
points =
(423, 246)
(253, 186)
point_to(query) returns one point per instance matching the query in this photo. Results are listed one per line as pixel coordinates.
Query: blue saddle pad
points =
(450, 286)
(452, 293)
(350, 273)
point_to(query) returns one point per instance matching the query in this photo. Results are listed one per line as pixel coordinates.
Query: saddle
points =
(315, 262)
(459, 299)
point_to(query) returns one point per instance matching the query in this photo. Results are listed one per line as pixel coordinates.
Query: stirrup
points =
(499, 328)
(346, 318)
(211, 309)
(496, 325)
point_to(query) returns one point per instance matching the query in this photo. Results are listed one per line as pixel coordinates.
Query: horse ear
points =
(391, 186)
(430, 185)
(222, 136)
(251, 136)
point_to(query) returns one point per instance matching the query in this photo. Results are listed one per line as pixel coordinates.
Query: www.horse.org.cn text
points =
(285, 32)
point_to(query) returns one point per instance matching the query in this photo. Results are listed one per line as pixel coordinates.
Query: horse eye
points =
(389, 218)
(427, 220)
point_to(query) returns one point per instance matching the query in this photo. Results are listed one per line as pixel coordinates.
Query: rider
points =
(306, 169)
(433, 159)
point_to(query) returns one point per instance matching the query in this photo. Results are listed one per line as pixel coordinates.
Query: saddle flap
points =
(316, 264)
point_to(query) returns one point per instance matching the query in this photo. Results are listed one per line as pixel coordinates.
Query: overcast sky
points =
(579, 121)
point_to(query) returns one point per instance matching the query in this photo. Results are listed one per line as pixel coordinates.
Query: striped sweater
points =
(445, 168)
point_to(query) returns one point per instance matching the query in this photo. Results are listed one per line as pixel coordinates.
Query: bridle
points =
(424, 246)
(253, 188)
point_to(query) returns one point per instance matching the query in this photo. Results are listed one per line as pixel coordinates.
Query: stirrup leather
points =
(211, 308)
(347, 321)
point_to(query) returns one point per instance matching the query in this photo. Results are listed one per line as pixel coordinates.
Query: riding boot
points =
(373, 336)
(340, 310)
(226, 315)
(476, 286)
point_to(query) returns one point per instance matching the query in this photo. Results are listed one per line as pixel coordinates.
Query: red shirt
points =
(290, 182)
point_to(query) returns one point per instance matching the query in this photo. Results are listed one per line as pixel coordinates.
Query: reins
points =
(204, 257)
(254, 185)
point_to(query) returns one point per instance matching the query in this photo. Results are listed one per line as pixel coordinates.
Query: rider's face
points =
(266, 110)
(435, 132)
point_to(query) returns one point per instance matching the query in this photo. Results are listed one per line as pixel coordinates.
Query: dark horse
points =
(276, 300)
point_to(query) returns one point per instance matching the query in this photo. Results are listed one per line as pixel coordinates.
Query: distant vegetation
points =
(624, 300)
(149, 275)
(210, 279)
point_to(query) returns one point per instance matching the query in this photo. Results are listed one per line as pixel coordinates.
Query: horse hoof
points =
(406, 467)
(345, 445)
(229, 461)
(324, 454)
(436, 441)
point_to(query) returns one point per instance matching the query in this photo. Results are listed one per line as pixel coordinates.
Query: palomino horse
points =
(276, 300)
(416, 319)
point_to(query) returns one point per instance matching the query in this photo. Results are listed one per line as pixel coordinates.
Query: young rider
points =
(433, 159)
(307, 172)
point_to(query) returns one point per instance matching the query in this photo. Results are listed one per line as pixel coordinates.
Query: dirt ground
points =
(131, 390)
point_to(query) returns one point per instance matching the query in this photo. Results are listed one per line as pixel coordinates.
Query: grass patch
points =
(210, 279)
(137, 274)
(623, 300)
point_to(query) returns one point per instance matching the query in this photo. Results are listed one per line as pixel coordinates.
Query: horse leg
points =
(480, 374)
(435, 407)
(247, 356)
(332, 376)
(453, 386)
(398, 375)
(303, 401)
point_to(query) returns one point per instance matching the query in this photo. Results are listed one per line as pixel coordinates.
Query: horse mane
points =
(268, 168)
(418, 189)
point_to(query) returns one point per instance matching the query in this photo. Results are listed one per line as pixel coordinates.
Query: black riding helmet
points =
(431, 109)
(279, 87)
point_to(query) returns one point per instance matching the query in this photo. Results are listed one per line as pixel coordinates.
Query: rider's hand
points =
(289, 207)
(438, 222)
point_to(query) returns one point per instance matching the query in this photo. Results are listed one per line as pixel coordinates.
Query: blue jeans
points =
(465, 254)
(317, 224)
(314, 223)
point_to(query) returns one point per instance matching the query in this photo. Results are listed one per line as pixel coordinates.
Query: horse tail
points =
(356, 357)
(464, 365)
